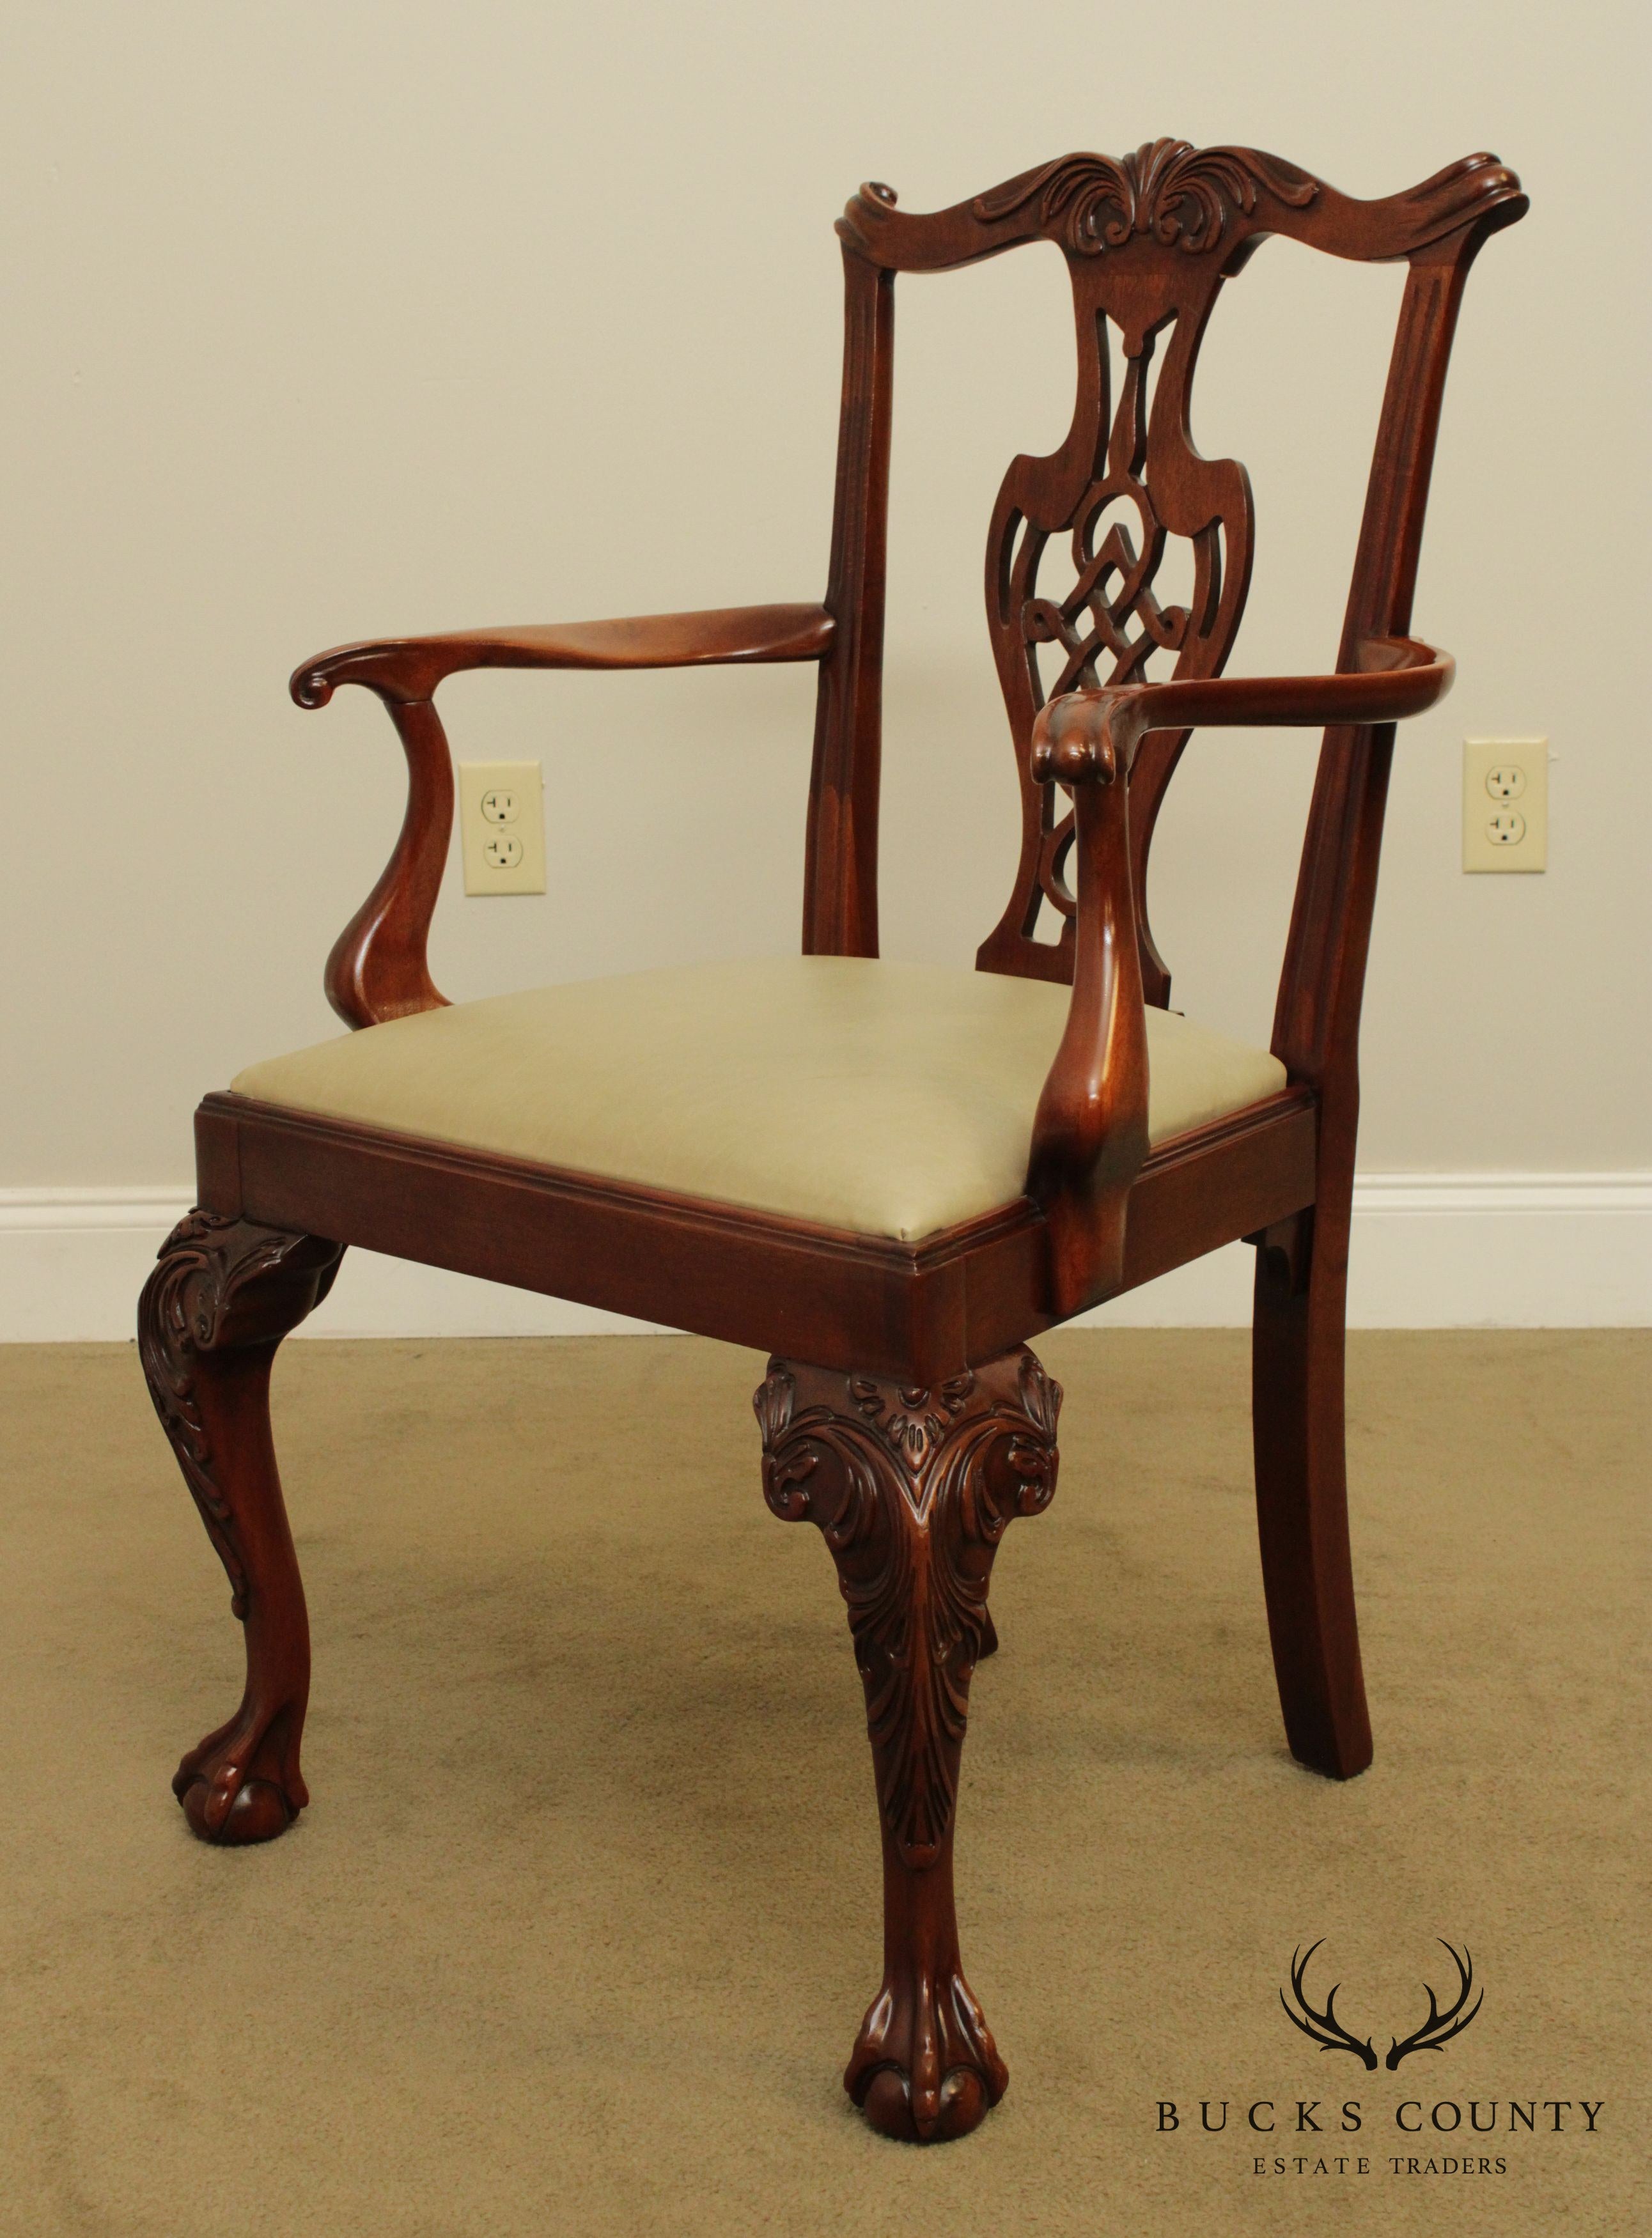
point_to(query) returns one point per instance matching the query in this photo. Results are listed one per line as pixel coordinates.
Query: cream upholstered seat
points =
(888, 1099)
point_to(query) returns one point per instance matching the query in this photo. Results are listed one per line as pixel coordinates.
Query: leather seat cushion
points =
(889, 1099)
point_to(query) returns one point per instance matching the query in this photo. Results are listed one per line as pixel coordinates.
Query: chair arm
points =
(1089, 1133)
(377, 968)
(411, 667)
(1392, 677)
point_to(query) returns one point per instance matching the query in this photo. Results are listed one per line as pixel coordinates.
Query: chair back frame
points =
(1148, 242)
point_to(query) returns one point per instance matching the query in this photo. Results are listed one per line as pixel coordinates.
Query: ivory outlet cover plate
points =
(501, 827)
(1505, 804)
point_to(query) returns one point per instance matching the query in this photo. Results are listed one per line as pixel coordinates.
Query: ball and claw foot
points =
(924, 2068)
(235, 1787)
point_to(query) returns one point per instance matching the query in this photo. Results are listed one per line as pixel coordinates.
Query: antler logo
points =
(1325, 2029)
(1328, 2032)
(1441, 2027)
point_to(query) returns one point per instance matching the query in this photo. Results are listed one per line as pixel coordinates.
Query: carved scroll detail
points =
(912, 1491)
(1184, 196)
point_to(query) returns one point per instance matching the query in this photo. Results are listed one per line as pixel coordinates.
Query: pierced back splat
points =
(1120, 491)
(1141, 238)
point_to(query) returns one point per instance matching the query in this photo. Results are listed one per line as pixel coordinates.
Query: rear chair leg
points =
(912, 1490)
(1301, 1490)
(225, 1293)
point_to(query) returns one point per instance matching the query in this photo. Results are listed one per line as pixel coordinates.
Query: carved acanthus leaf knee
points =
(220, 1281)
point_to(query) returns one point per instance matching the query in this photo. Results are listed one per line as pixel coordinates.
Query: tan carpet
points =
(577, 1930)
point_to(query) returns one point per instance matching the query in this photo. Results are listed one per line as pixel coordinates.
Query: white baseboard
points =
(1429, 1251)
(1451, 1251)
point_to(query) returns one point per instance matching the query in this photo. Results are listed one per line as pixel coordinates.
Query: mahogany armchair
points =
(891, 1175)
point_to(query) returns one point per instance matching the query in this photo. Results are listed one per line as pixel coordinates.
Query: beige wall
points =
(327, 319)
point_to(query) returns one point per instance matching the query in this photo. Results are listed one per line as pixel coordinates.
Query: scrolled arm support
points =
(378, 969)
(1089, 1133)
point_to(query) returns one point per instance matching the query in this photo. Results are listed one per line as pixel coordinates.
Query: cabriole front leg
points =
(912, 1491)
(224, 1294)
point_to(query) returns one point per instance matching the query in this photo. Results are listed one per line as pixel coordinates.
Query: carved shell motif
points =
(1183, 195)
(910, 1418)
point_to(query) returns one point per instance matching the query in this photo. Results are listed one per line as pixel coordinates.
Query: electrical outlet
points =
(1505, 804)
(501, 827)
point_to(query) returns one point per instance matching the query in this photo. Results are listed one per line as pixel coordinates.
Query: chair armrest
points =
(1089, 1133)
(377, 968)
(411, 667)
(1392, 677)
